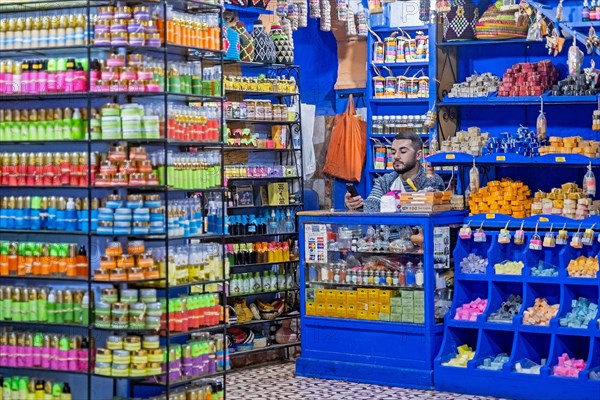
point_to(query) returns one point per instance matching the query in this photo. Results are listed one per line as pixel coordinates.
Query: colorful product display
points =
(124, 166)
(126, 121)
(401, 87)
(190, 170)
(197, 390)
(262, 110)
(200, 31)
(59, 30)
(528, 79)
(568, 367)
(260, 253)
(44, 169)
(394, 124)
(473, 264)
(43, 259)
(509, 268)
(193, 263)
(470, 311)
(133, 265)
(260, 171)
(470, 141)
(464, 354)
(476, 86)
(508, 309)
(401, 49)
(248, 283)
(569, 200)
(494, 363)
(586, 267)
(522, 142)
(42, 124)
(571, 145)
(15, 387)
(280, 221)
(62, 75)
(126, 309)
(191, 312)
(30, 304)
(259, 84)
(582, 313)
(130, 356)
(47, 351)
(540, 313)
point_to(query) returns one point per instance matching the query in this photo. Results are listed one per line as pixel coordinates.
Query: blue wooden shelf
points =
(518, 101)
(506, 159)
(248, 10)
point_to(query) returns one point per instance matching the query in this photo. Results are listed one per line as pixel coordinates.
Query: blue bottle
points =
(52, 213)
(19, 213)
(93, 224)
(3, 213)
(35, 222)
(44, 213)
(410, 275)
(70, 216)
(61, 205)
(27, 213)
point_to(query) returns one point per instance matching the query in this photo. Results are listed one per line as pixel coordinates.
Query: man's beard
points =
(405, 168)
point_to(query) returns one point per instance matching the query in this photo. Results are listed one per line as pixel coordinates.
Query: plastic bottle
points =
(257, 283)
(589, 182)
(281, 279)
(410, 274)
(290, 225)
(51, 307)
(420, 275)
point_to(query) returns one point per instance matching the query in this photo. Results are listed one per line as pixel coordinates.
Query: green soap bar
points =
(418, 309)
(419, 319)
(396, 309)
(407, 318)
(384, 316)
(407, 302)
(395, 301)
(418, 294)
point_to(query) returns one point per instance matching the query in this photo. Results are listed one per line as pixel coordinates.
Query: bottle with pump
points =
(290, 225)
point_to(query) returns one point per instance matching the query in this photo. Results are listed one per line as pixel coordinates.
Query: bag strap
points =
(350, 109)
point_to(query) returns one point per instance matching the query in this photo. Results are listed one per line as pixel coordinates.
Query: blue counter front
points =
(367, 347)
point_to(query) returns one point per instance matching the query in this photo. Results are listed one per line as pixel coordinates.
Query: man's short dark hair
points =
(415, 140)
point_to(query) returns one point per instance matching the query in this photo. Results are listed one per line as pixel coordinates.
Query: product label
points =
(450, 156)
(500, 158)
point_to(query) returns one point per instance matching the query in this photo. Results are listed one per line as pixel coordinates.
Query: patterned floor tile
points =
(278, 382)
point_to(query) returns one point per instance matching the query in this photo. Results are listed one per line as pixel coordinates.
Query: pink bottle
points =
(80, 82)
(43, 77)
(34, 77)
(25, 77)
(11, 350)
(36, 356)
(4, 349)
(27, 351)
(53, 353)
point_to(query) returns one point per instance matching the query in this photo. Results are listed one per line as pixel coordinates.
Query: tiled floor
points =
(278, 382)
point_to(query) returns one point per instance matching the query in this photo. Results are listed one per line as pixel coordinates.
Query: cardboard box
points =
(384, 308)
(407, 302)
(350, 311)
(351, 296)
(384, 316)
(341, 296)
(419, 298)
(419, 318)
(384, 296)
(407, 318)
(373, 315)
(278, 194)
(396, 317)
(320, 309)
(374, 306)
(341, 311)
(331, 310)
(396, 301)
(320, 296)
(311, 308)
(362, 314)
(373, 295)
(407, 294)
(396, 309)
(331, 296)
(362, 306)
(362, 295)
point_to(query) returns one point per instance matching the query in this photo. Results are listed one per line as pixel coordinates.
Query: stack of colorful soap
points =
(526, 366)
(470, 141)
(473, 264)
(540, 313)
(571, 145)
(502, 197)
(583, 311)
(507, 310)
(470, 311)
(509, 268)
(541, 271)
(586, 267)
(494, 363)
(569, 201)
(568, 367)
(528, 79)
(465, 354)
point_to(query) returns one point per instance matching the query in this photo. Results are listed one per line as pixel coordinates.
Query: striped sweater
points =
(384, 183)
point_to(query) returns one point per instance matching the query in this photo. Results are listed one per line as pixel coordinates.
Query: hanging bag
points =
(348, 146)
(459, 22)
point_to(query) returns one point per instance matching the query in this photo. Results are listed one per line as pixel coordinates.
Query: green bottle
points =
(77, 125)
(6, 385)
(59, 311)
(24, 305)
(23, 387)
(33, 305)
(15, 308)
(42, 305)
(51, 309)
(7, 304)
(67, 306)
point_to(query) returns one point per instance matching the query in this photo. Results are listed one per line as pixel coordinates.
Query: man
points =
(408, 175)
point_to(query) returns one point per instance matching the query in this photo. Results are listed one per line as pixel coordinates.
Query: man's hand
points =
(353, 203)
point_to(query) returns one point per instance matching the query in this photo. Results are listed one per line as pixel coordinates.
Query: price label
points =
(560, 159)
(544, 219)
(490, 216)
(450, 156)
(500, 158)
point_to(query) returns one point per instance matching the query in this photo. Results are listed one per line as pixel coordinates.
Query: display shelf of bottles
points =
(259, 93)
(40, 369)
(258, 149)
(180, 382)
(45, 5)
(109, 94)
(199, 236)
(379, 252)
(45, 278)
(44, 324)
(190, 284)
(264, 264)
(43, 232)
(262, 121)
(133, 282)
(262, 178)
(258, 235)
(268, 348)
(140, 331)
(265, 206)
(198, 330)
(361, 285)
(261, 293)
(208, 190)
(265, 321)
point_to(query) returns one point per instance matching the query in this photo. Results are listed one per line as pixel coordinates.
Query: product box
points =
(374, 306)
(362, 295)
(384, 296)
(407, 294)
(419, 297)
(311, 308)
(351, 297)
(384, 316)
(373, 315)
(341, 296)
(407, 301)
(341, 311)
(384, 308)
(407, 316)
(310, 295)
(331, 310)
(320, 309)
(418, 309)
(350, 311)
(394, 317)
(373, 295)
(320, 295)
(331, 296)
(362, 314)
(362, 306)
(396, 302)
(418, 318)
(278, 194)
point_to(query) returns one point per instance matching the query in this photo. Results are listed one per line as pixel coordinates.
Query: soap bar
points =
(582, 312)
(509, 268)
(470, 311)
(526, 366)
(494, 363)
(465, 354)
(583, 267)
(507, 310)
(541, 271)
(502, 197)
(568, 367)
(540, 313)
(473, 264)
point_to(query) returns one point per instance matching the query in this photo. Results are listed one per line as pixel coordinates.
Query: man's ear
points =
(419, 154)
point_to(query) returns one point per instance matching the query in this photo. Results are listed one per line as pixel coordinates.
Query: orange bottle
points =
(82, 263)
(45, 260)
(36, 264)
(13, 259)
(4, 246)
(54, 259)
(71, 261)
(26, 260)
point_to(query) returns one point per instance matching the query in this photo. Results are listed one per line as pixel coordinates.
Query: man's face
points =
(405, 157)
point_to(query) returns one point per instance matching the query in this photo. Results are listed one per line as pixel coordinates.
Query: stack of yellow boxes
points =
(409, 306)
(363, 303)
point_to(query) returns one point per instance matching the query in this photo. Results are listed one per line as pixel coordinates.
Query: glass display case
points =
(375, 288)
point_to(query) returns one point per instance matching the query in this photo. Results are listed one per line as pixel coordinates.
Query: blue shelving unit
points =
(377, 352)
(393, 106)
(518, 340)
(248, 10)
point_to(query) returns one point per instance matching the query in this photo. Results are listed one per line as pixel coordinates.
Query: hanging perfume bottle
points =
(589, 182)
(479, 235)
(541, 124)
